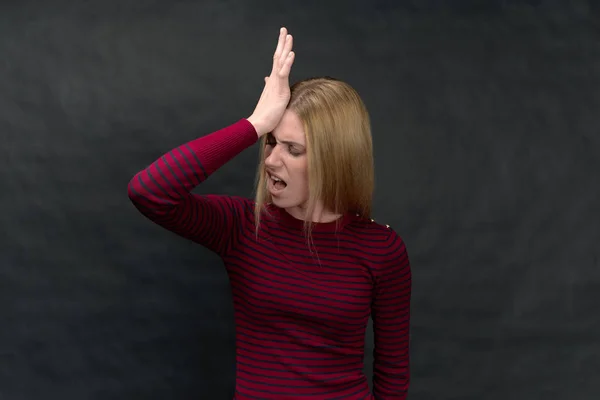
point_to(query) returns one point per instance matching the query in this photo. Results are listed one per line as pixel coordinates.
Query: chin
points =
(281, 203)
(284, 203)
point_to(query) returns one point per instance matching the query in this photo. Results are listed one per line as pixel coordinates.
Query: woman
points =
(306, 264)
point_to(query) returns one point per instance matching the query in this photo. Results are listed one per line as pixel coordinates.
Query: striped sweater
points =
(300, 314)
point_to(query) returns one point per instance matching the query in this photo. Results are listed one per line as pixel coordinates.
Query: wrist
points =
(258, 126)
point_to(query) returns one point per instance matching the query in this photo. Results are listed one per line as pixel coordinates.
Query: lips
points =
(276, 184)
(275, 178)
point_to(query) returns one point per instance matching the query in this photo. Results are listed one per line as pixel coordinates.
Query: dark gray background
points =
(487, 154)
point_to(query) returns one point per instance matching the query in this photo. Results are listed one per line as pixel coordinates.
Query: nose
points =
(273, 158)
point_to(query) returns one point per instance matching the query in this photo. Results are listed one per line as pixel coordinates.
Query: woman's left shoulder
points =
(379, 233)
(375, 225)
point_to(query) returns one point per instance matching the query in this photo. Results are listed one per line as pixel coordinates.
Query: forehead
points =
(290, 128)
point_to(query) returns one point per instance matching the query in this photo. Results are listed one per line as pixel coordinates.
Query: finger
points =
(289, 43)
(281, 40)
(286, 67)
(280, 44)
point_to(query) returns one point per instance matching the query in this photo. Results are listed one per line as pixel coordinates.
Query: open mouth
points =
(276, 182)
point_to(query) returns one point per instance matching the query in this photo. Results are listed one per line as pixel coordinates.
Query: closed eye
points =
(270, 140)
(291, 146)
(293, 151)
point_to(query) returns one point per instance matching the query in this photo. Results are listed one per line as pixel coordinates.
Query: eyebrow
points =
(288, 142)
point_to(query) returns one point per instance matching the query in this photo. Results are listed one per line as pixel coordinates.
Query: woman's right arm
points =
(162, 191)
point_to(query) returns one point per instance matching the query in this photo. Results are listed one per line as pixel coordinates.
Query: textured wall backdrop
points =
(488, 160)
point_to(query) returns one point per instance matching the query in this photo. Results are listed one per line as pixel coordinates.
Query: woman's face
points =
(286, 164)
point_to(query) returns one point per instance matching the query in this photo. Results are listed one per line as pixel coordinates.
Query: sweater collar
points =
(287, 220)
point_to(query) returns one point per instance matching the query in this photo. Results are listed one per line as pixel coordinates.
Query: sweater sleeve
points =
(162, 191)
(391, 323)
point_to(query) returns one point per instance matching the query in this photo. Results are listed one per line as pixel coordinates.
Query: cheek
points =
(299, 173)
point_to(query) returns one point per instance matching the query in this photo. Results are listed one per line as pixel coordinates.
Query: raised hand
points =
(276, 93)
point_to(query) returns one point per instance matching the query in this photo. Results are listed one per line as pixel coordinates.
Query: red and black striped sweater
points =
(300, 319)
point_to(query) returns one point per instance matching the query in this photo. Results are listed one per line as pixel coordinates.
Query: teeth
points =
(275, 178)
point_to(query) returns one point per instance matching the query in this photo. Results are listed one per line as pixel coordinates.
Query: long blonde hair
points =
(339, 149)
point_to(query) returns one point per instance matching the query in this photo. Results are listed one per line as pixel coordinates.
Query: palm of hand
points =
(276, 93)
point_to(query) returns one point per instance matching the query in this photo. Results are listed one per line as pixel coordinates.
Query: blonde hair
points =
(339, 149)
